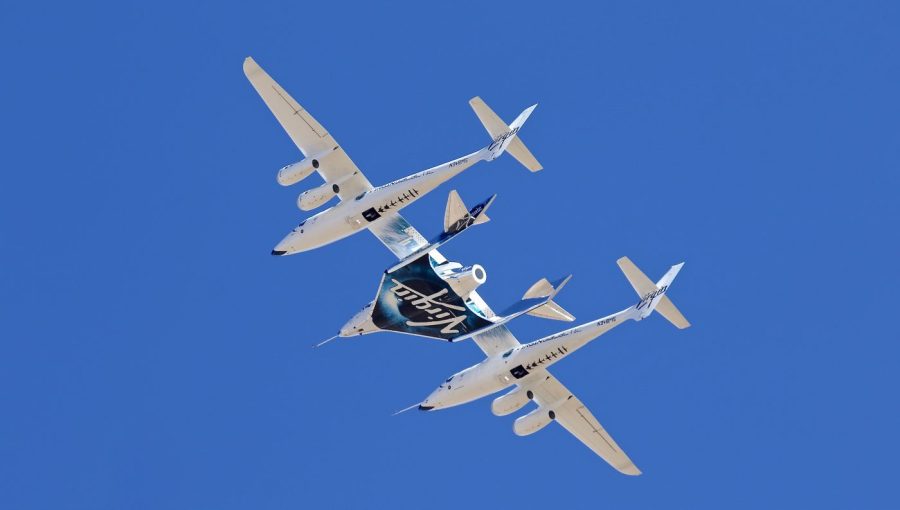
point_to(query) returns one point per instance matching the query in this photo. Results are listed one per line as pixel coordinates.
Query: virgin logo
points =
(646, 300)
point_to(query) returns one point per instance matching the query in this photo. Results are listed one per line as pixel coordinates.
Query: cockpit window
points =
(302, 223)
(360, 196)
(450, 379)
(507, 353)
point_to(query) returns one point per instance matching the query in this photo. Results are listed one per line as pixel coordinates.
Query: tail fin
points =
(457, 213)
(504, 136)
(550, 309)
(653, 294)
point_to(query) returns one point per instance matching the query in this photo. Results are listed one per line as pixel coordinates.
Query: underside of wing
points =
(398, 235)
(572, 414)
(308, 135)
(496, 340)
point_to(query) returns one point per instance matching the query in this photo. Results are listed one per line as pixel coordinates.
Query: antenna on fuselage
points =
(323, 342)
(407, 409)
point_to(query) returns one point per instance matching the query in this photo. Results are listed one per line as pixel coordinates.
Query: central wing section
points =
(416, 300)
(398, 236)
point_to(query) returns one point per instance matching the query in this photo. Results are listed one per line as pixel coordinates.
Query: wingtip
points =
(630, 470)
(250, 66)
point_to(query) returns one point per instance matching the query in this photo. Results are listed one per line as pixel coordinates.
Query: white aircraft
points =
(509, 363)
(426, 295)
(363, 206)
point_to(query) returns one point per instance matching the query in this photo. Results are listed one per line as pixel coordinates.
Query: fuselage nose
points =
(435, 400)
(292, 243)
(322, 229)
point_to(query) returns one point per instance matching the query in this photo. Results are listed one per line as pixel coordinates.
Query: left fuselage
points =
(519, 365)
(353, 215)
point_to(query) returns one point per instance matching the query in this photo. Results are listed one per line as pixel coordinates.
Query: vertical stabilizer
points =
(506, 135)
(653, 294)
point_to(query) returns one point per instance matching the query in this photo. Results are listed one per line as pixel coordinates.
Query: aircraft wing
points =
(496, 340)
(308, 135)
(398, 235)
(578, 420)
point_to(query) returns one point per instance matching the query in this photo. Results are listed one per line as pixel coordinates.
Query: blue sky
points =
(154, 355)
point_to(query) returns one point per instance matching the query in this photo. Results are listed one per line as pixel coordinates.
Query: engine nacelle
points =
(533, 421)
(511, 402)
(313, 198)
(463, 280)
(296, 172)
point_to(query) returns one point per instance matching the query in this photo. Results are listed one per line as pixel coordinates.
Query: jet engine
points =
(463, 280)
(296, 172)
(533, 421)
(313, 198)
(511, 402)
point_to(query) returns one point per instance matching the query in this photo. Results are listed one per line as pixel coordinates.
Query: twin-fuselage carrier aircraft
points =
(426, 295)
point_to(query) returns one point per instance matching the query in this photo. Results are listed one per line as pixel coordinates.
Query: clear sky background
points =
(154, 355)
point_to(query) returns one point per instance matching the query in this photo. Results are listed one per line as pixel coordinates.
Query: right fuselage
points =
(353, 215)
(520, 364)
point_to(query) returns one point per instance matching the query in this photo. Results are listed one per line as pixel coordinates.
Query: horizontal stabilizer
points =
(505, 135)
(551, 309)
(670, 312)
(528, 305)
(638, 280)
